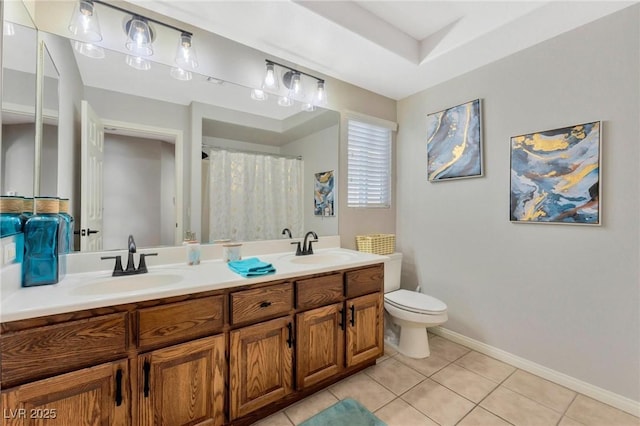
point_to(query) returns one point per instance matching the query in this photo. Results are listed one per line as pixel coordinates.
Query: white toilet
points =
(413, 312)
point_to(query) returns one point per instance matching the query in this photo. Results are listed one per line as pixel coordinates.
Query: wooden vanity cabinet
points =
(232, 355)
(98, 395)
(340, 335)
(182, 384)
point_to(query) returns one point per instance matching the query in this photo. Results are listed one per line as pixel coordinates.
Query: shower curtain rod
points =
(269, 154)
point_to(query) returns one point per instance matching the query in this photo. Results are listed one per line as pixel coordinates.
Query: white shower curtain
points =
(254, 196)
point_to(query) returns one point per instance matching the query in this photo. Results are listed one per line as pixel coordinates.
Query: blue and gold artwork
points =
(555, 175)
(323, 194)
(454, 146)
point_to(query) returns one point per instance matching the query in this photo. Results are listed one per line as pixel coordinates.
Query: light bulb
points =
(84, 22)
(140, 37)
(186, 53)
(320, 98)
(270, 80)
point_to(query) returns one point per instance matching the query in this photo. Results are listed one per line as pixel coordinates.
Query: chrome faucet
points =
(131, 269)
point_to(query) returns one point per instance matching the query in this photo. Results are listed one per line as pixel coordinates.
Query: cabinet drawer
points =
(320, 291)
(180, 321)
(49, 350)
(261, 303)
(365, 281)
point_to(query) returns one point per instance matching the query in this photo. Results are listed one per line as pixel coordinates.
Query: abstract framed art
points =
(324, 194)
(555, 176)
(454, 142)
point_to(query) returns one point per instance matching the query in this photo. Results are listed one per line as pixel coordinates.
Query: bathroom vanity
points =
(226, 353)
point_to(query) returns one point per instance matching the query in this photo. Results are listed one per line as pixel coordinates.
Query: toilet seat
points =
(415, 302)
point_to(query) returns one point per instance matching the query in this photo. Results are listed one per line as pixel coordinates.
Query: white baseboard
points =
(595, 392)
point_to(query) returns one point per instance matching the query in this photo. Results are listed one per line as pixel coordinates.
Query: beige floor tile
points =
(400, 413)
(439, 403)
(568, 421)
(595, 413)
(277, 419)
(486, 366)
(310, 406)
(363, 389)
(389, 351)
(464, 382)
(395, 376)
(426, 366)
(446, 349)
(540, 390)
(481, 417)
(518, 409)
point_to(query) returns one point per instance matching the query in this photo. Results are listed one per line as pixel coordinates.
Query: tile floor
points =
(456, 386)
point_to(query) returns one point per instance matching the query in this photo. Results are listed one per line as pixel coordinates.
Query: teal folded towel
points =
(251, 267)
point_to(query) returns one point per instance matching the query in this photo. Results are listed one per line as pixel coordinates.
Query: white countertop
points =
(98, 289)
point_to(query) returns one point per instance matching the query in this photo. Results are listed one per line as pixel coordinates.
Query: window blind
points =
(368, 165)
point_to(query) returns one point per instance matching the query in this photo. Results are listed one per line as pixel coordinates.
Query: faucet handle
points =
(298, 249)
(142, 266)
(117, 270)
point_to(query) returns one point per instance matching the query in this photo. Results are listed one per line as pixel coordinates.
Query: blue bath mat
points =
(347, 412)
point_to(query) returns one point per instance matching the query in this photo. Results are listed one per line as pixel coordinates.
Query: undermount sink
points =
(321, 258)
(126, 284)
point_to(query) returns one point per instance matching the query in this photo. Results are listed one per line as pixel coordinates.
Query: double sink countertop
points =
(89, 290)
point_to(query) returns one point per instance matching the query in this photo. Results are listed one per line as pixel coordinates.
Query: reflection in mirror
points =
(48, 170)
(153, 126)
(19, 53)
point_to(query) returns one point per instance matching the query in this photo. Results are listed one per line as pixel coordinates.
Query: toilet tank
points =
(392, 272)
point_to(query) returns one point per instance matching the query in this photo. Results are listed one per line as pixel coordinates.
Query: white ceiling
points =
(394, 48)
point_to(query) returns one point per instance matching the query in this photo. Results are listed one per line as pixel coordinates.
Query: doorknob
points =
(88, 231)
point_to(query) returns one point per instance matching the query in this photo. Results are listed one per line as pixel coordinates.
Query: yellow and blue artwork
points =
(555, 175)
(323, 194)
(454, 143)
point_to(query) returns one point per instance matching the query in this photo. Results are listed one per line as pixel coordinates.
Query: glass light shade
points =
(88, 49)
(258, 95)
(180, 74)
(320, 97)
(139, 37)
(285, 101)
(9, 29)
(186, 53)
(270, 78)
(138, 63)
(84, 22)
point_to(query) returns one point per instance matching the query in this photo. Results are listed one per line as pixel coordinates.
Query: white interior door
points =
(91, 181)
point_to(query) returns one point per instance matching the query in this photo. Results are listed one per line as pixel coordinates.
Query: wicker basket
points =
(376, 243)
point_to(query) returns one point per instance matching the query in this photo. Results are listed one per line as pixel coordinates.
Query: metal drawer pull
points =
(119, 387)
(353, 315)
(147, 372)
(290, 339)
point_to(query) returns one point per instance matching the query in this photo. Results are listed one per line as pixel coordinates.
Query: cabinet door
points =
(364, 328)
(183, 384)
(320, 344)
(92, 396)
(261, 361)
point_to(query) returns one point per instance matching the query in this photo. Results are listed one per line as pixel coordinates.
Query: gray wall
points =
(565, 297)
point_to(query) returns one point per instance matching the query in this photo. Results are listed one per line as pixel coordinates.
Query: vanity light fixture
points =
(84, 22)
(85, 27)
(186, 53)
(139, 36)
(293, 82)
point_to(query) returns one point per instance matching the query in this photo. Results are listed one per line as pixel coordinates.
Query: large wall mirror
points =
(19, 57)
(158, 132)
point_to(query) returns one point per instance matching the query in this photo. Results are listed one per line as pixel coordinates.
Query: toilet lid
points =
(415, 302)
